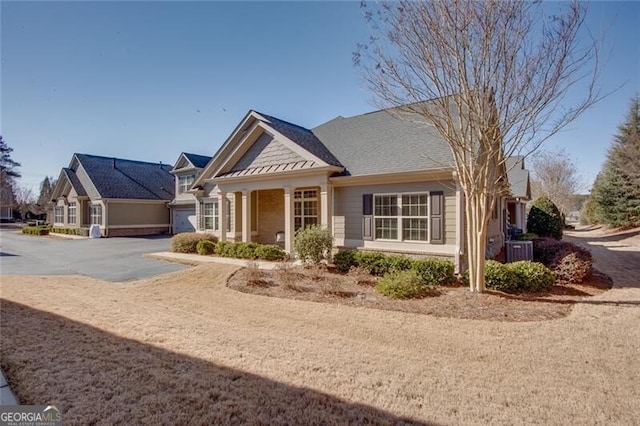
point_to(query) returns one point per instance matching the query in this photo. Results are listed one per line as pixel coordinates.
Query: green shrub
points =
(522, 276)
(71, 231)
(372, 262)
(313, 244)
(345, 260)
(499, 276)
(245, 250)
(402, 285)
(397, 263)
(187, 242)
(531, 276)
(226, 249)
(205, 247)
(35, 230)
(270, 252)
(545, 219)
(434, 271)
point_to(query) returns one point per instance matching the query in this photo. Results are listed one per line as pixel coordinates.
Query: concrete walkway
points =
(194, 259)
(6, 396)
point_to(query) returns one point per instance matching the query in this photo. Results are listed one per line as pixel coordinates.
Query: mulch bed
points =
(455, 301)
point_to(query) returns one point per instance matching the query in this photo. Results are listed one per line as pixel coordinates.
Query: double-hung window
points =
(401, 216)
(71, 213)
(305, 208)
(58, 216)
(185, 182)
(210, 216)
(96, 214)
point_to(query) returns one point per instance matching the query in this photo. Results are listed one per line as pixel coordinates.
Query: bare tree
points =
(496, 74)
(24, 200)
(556, 176)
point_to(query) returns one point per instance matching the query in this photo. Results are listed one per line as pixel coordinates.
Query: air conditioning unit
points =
(519, 250)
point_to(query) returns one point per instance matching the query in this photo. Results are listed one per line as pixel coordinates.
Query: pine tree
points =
(616, 192)
(7, 164)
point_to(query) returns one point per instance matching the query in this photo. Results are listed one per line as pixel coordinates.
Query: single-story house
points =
(376, 181)
(123, 197)
(183, 207)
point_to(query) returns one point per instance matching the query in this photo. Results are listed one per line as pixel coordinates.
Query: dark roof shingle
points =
(75, 182)
(381, 142)
(199, 161)
(303, 137)
(128, 179)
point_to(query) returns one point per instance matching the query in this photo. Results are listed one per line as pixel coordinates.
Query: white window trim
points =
(183, 187)
(302, 200)
(57, 216)
(399, 217)
(73, 207)
(215, 215)
(93, 216)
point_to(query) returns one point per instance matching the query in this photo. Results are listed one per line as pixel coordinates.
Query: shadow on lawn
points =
(99, 377)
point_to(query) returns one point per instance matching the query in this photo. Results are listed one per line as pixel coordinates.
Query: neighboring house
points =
(183, 207)
(520, 188)
(376, 181)
(124, 197)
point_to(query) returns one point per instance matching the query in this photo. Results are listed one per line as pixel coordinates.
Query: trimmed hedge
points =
(270, 252)
(431, 271)
(83, 232)
(545, 219)
(517, 276)
(35, 230)
(205, 247)
(434, 271)
(187, 242)
(402, 285)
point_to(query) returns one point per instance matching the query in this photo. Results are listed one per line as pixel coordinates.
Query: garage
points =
(184, 220)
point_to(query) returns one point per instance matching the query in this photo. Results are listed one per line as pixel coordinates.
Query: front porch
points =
(264, 211)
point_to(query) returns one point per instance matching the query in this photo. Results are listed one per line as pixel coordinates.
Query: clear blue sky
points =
(148, 80)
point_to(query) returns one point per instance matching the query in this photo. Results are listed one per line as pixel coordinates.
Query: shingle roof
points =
(199, 161)
(75, 182)
(128, 179)
(518, 177)
(380, 142)
(303, 137)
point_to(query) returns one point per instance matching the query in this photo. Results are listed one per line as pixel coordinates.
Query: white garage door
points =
(184, 220)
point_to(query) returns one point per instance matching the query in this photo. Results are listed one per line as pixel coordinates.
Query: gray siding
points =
(265, 152)
(347, 218)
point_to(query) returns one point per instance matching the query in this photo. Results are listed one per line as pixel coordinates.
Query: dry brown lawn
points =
(184, 348)
(454, 301)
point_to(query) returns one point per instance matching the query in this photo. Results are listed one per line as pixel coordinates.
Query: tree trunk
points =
(475, 211)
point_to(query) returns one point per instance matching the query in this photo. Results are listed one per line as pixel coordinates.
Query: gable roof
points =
(75, 182)
(128, 179)
(199, 161)
(381, 142)
(304, 137)
(518, 177)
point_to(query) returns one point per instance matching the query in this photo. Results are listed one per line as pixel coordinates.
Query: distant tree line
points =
(615, 196)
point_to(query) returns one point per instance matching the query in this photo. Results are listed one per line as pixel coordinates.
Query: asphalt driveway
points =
(108, 259)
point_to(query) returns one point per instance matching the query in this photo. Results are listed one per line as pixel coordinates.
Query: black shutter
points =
(367, 216)
(437, 217)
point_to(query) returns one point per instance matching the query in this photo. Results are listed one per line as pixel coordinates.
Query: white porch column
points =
(222, 214)
(519, 215)
(325, 207)
(246, 216)
(523, 213)
(288, 220)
